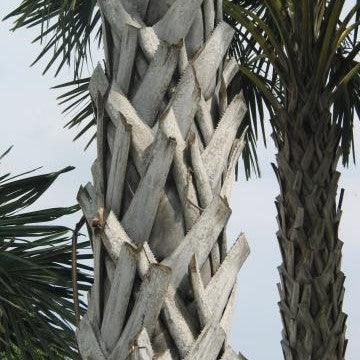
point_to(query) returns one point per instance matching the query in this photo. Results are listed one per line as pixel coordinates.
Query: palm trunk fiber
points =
(311, 287)
(164, 283)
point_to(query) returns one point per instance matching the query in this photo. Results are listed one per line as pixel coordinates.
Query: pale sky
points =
(32, 122)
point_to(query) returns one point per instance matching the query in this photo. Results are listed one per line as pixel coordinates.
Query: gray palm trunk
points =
(167, 146)
(312, 283)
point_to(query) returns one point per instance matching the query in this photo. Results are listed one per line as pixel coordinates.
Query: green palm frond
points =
(78, 106)
(65, 30)
(301, 51)
(248, 54)
(36, 307)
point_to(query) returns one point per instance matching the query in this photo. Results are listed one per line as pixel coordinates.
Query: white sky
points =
(31, 120)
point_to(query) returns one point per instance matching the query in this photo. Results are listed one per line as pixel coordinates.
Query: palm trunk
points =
(164, 283)
(311, 280)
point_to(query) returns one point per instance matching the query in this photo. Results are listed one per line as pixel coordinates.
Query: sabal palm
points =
(307, 71)
(166, 154)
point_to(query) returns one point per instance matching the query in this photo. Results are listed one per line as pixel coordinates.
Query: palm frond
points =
(246, 51)
(78, 106)
(320, 59)
(65, 29)
(36, 307)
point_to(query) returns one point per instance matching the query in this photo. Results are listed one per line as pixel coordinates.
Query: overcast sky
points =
(32, 122)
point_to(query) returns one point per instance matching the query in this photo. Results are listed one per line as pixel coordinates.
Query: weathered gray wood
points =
(208, 344)
(141, 349)
(88, 342)
(117, 304)
(219, 11)
(157, 9)
(99, 184)
(223, 244)
(106, 39)
(209, 17)
(210, 58)
(110, 267)
(145, 259)
(199, 293)
(227, 317)
(230, 354)
(218, 290)
(114, 239)
(155, 82)
(139, 218)
(177, 120)
(205, 271)
(96, 292)
(215, 258)
(86, 197)
(215, 156)
(204, 120)
(205, 194)
(222, 98)
(98, 169)
(229, 177)
(169, 225)
(203, 186)
(161, 340)
(165, 356)
(231, 68)
(110, 133)
(91, 307)
(149, 42)
(199, 240)
(174, 312)
(178, 327)
(186, 189)
(142, 139)
(195, 37)
(118, 16)
(141, 67)
(118, 105)
(183, 58)
(176, 123)
(142, 6)
(175, 24)
(98, 83)
(146, 309)
(126, 57)
(114, 236)
(115, 182)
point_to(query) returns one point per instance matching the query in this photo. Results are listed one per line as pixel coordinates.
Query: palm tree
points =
(167, 147)
(303, 63)
(307, 69)
(168, 141)
(37, 314)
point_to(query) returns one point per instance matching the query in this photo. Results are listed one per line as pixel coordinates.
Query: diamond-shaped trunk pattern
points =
(312, 284)
(167, 147)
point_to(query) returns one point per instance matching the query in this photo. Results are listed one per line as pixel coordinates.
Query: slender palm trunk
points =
(311, 280)
(164, 283)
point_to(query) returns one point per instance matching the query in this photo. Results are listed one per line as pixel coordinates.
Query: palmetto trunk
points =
(312, 284)
(167, 145)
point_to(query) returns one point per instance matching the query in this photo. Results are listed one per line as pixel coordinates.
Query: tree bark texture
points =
(167, 146)
(312, 284)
